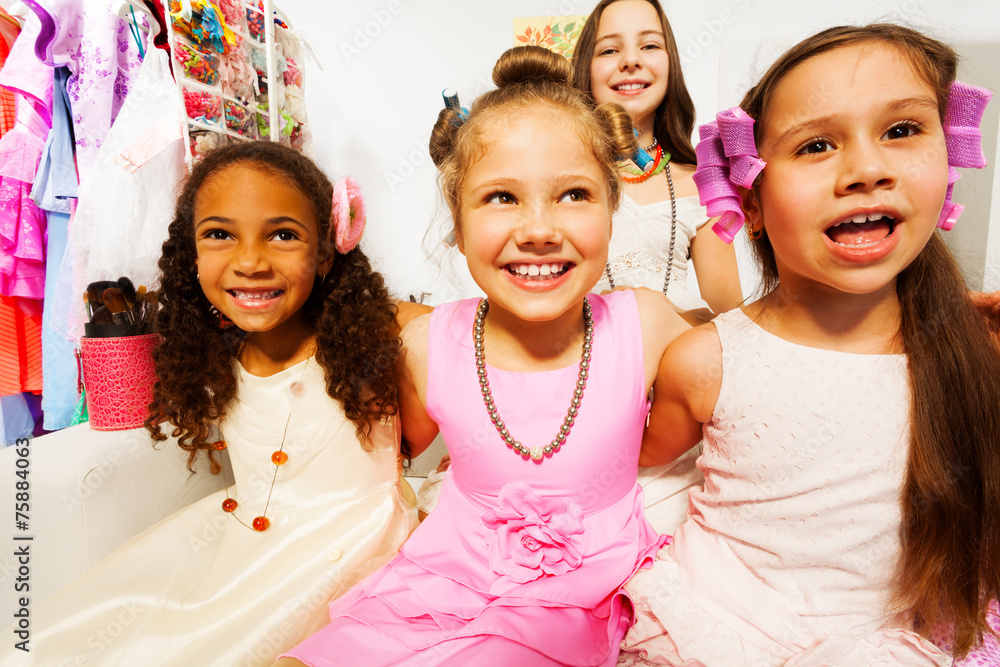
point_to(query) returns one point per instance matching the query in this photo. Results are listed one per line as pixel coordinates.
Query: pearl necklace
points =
(278, 458)
(536, 453)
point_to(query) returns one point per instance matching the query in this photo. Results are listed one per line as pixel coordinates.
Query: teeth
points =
(255, 296)
(630, 86)
(861, 218)
(537, 270)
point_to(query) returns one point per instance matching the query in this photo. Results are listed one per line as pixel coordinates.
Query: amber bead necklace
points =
(278, 458)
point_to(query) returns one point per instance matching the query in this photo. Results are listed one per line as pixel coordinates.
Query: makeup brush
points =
(95, 292)
(147, 311)
(128, 291)
(88, 306)
(114, 301)
(101, 316)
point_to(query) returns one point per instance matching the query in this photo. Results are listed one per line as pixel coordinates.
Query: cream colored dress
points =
(199, 588)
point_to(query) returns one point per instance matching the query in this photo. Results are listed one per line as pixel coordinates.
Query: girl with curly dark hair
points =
(277, 334)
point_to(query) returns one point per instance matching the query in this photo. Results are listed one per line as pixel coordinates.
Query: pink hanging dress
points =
(522, 562)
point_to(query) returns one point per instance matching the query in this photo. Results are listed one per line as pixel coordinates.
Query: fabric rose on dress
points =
(534, 534)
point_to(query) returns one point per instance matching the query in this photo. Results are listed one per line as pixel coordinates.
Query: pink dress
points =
(522, 562)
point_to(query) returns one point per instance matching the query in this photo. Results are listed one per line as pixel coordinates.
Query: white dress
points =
(199, 588)
(640, 248)
(788, 554)
(638, 257)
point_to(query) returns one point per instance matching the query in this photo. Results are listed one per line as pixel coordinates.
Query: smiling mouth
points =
(255, 295)
(862, 230)
(538, 271)
(629, 87)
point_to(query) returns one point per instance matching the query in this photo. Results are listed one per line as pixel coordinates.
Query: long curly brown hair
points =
(357, 342)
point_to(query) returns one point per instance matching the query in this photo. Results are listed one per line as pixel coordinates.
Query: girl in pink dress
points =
(851, 501)
(540, 392)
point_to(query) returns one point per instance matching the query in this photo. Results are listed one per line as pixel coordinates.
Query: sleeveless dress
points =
(199, 588)
(788, 552)
(522, 562)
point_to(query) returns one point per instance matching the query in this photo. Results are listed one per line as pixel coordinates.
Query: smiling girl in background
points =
(626, 54)
(852, 478)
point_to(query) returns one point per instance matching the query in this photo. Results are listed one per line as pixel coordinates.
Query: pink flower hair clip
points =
(727, 158)
(348, 214)
(963, 139)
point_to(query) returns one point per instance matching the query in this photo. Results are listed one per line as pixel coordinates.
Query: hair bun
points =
(523, 64)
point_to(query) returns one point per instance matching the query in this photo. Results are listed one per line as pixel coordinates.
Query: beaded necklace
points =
(536, 453)
(278, 458)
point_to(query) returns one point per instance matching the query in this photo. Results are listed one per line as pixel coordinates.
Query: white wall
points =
(385, 62)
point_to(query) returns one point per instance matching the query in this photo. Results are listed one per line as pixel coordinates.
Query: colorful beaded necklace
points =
(630, 173)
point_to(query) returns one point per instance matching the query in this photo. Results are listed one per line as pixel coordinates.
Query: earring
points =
(752, 233)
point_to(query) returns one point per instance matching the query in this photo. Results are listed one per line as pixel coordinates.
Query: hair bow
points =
(963, 139)
(727, 157)
(348, 214)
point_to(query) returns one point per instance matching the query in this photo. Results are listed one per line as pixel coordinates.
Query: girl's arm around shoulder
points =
(418, 427)
(685, 392)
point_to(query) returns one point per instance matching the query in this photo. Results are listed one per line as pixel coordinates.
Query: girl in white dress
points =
(851, 498)
(627, 54)
(262, 244)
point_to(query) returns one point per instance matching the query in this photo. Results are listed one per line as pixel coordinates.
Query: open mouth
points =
(629, 87)
(862, 230)
(538, 271)
(254, 295)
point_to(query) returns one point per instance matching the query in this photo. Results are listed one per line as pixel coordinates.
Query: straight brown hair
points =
(674, 121)
(950, 531)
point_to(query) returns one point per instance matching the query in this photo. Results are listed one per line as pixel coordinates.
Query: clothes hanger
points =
(129, 11)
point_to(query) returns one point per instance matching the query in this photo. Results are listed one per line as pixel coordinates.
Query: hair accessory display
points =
(348, 214)
(727, 158)
(964, 139)
(451, 102)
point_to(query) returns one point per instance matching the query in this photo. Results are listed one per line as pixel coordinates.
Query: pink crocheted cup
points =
(119, 375)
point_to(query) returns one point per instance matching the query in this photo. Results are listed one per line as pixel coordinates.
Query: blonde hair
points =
(527, 77)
